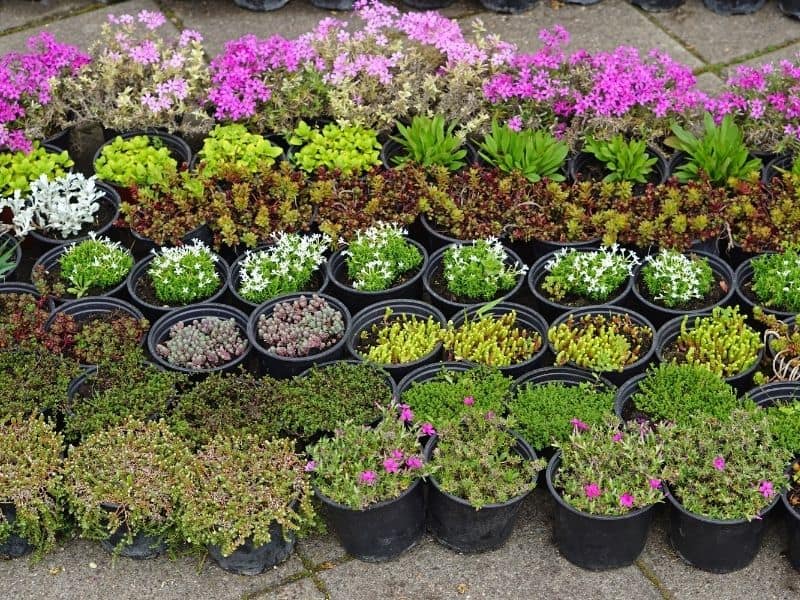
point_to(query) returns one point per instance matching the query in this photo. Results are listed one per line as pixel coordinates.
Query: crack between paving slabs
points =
(716, 68)
(674, 36)
(654, 579)
(59, 16)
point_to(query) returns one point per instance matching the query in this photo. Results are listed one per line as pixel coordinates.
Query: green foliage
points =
(480, 271)
(233, 147)
(139, 160)
(449, 395)
(592, 274)
(720, 154)
(429, 142)
(776, 279)
(784, 342)
(400, 338)
(96, 263)
(611, 470)
(725, 469)
(534, 154)
(493, 340)
(226, 505)
(18, 169)
(625, 161)
(348, 148)
(674, 279)
(784, 423)
(544, 412)
(184, 274)
(30, 459)
(476, 459)
(378, 256)
(673, 393)
(8, 257)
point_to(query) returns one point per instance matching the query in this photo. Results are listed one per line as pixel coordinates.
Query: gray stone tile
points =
(322, 548)
(299, 590)
(717, 38)
(80, 30)
(68, 573)
(528, 566)
(14, 13)
(769, 577)
(789, 52)
(710, 83)
(603, 26)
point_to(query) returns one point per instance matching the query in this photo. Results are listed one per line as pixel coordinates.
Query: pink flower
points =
(469, 400)
(719, 463)
(390, 465)
(592, 491)
(489, 415)
(766, 489)
(579, 425)
(414, 462)
(427, 429)
(655, 484)
(397, 454)
(626, 500)
(406, 414)
(151, 19)
(368, 478)
(515, 123)
(310, 466)
(188, 36)
(617, 437)
(145, 54)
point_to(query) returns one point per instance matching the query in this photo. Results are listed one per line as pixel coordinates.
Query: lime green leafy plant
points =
(18, 169)
(233, 147)
(534, 154)
(348, 148)
(138, 160)
(428, 141)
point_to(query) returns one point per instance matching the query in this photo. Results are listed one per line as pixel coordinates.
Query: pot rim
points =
(677, 505)
(378, 505)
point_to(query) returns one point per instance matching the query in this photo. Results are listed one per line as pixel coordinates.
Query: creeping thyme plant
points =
(674, 279)
(544, 412)
(399, 338)
(287, 265)
(776, 279)
(480, 271)
(203, 343)
(428, 142)
(361, 465)
(493, 340)
(722, 342)
(233, 147)
(610, 470)
(600, 342)
(535, 154)
(593, 275)
(625, 160)
(19, 169)
(475, 459)
(348, 148)
(378, 256)
(139, 160)
(301, 327)
(184, 274)
(725, 469)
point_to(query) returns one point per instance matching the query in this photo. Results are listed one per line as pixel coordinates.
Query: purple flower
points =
(719, 463)
(188, 36)
(390, 465)
(397, 454)
(592, 491)
(145, 53)
(655, 484)
(626, 500)
(617, 437)
(515, 123)
(427, 429)
(151, 19)
(310, 466)
(489, 415)
(406, 414)
(469, 400)
(579, 425)
(414, 462)
(367, 478)
(766, 489)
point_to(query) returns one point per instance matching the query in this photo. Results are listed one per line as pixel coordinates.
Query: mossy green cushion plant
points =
(30, 462)
(233, 147)
(348, 148)
(675, 279)
(480, 271)
(546, 413)
(138, 160)
(535, 154)
(624, 160)
(593, 275)
(184, 274)
(400, 338)
(238, 487)
(94, 264)
(428, 142)
(784, 422)
(776, 279)
(19, 169)
(377, 257)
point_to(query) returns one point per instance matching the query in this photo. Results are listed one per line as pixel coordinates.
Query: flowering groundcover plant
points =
(776, 279)
(592, 275)
(480, 271)
(184, 274)
(674, 279)
(377, 257)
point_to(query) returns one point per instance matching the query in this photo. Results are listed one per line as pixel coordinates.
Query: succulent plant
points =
(22, 319)
(203, 343)
(301, 327)
(784, 342)
(399, 338)
(99, 339)
(494, 340)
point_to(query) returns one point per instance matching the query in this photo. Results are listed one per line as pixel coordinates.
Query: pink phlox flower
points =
(766, 489)
(406, 414)
(310, 466)
(145, 53)
(515, 123)
(592, 491)
(397, 454)
(151, 19)
(655, 484)
(390, 465)
(188, 36)
(579, 425)
(719, 463)
(427, 429)
(368, 477)
(469, 400)
(414, 462)
(617, 437)
(626, 500)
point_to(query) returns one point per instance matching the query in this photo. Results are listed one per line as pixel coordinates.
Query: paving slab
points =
(80, 30)
(528, 566)
(791, 52)
(299, 590)
(719, 38)
(15, 13)
(68, 573)
(769, 577)
(602, 26)
(710, 83)
(322, 549)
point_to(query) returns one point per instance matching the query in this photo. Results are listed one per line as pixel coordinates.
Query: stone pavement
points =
(529, 565)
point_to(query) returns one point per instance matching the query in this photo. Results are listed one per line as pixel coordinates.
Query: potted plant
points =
(369, 481)
(535, 154)
(613, 341)
(481, 473)
(346, 148)
(144, 159)
(671, 283)
(723, 477)
(772, 281)
(616, 159)
(462, 275)
(574, 277)
(19, 169)
(672, 393)
(782, 340)
(397, 335)
(121, 485)
(232, 146)
(94, 267)
(23, 313)
(30, 515)
(779, 400)
(248, 524)
(428, 142)
(606, 481)
(291, 263)
(720, 340)
(508, 336)
(200, 339)
(176, 277)
(10, 257)
(443, 393)
(293, 331)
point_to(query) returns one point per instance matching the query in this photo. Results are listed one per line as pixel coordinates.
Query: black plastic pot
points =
(142, 547)
(713, 545)
(261, 5)
(582, 160)
(60, 139)
(551, 309)
(155, 311)
(428, 4)
(671, 329)
(392, 148)
(658, 5)
(658, 315)
(733, 7)
(383, 530)
(615, 377)
(775, 392)
(450, 307)
(356, 300)
(791, 8)
(526, 319)
(51, 258)
(597, 542)
(566, 375)
(142, 246)
(160, 332)
(783, 162)
(333, 4)
(742, 280)
(14, 546)
(254, 560)
(5, 240)
(427, 372)
(510, 6)
(458, 525)
(793, 528)
(433, 238)
(624, 394)
(374, 314)
(281, 367)
(246, 305)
